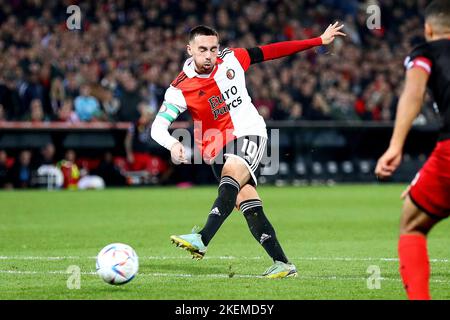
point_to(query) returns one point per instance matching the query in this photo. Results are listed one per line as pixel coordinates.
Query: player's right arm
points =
(173, 105)
(408, 109)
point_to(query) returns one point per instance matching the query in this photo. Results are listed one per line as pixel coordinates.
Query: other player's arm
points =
(408, 109)
(160, 131)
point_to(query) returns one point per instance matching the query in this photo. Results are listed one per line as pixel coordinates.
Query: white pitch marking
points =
(41, 258)
(183, 275)
(213, 258)
(152, 274)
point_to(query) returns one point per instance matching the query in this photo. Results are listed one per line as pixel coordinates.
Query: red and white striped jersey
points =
(219, 102)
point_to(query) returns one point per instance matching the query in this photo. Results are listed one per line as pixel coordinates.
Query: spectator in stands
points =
(66, 112)
(70, 85)
(20, 175)
(285, 103)
(129, 98)
(3, 169)
(306, 92)
(47, 175)
(36, 112)
(110, 172)
(47, 155)
(138, 138)
(2, 113)
(31, 89)
(70, 170)
(110, 104)
(296, 112)
(320, 110)
(9, 96)
(264, 111)
(87, 107)
(57, 95)
(342, 106)
(264, 103)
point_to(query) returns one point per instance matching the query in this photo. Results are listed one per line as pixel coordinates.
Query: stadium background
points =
(82, 90)
(334, 107)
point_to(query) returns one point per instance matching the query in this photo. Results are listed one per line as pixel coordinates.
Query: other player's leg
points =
(249, 203)
(412, 250)
(427, 203)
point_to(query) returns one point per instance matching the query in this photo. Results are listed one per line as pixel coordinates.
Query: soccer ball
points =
(117, 263)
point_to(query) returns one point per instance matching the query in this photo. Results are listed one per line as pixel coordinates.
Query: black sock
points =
(221, 209)
(261, 229)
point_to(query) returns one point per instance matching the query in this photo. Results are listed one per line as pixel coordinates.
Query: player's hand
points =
(332, 31)
(388, 163)
(178, 153)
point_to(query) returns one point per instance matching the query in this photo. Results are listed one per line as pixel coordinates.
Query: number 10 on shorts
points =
(249, 148)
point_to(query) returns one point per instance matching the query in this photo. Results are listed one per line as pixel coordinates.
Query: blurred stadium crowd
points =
(119, 64)
(128, 52)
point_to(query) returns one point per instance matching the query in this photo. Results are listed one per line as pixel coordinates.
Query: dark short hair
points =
(202, 31)
(440, 11)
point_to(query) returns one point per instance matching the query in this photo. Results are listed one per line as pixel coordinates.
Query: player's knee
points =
(236, 169)
(247, 192)
(409, 226)
(414, 220)
(228, 190)
(239, 200)
(418, 223)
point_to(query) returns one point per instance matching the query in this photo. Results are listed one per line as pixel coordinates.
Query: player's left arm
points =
(174, 104)
(408, 109)
(285, 48)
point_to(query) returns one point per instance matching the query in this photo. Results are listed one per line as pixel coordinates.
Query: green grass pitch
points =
(333, 235)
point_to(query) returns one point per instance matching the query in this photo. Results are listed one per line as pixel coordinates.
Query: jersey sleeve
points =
(243, 56)
(174, 104)
(421, 58)
(246, 57)
(276, 50)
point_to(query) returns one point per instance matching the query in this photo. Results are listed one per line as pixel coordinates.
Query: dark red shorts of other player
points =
(430, 189)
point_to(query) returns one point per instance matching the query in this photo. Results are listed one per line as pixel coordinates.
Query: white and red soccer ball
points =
(117, 263)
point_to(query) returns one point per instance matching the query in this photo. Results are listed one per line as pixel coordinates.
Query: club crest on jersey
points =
(230, 74)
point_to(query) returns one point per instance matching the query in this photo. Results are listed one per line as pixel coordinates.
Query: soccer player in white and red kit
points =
(229, 131)
(427, 200)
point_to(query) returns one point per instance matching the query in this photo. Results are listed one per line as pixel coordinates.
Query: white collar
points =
(189, 69)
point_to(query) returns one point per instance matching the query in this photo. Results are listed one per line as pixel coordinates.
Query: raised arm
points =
(285, 48)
